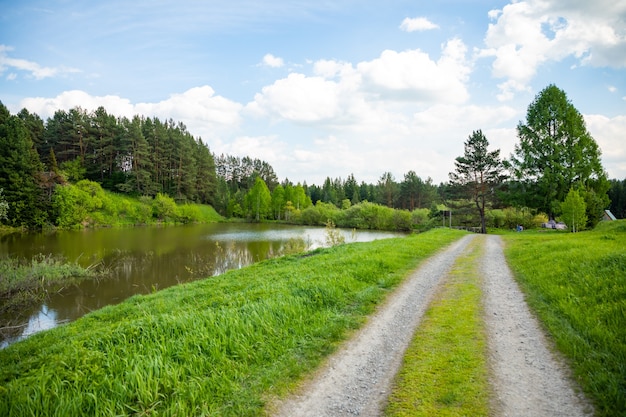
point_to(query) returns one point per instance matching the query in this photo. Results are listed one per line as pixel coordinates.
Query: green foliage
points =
(220, 346)
(19, 171)
(73, 169)
(573, 211)
(164, 208)
(510, 218)
(259, 201)
(86, 204)
(577, 285)
(477, 173)
(617, 195)
(4, 207)
(555, 153)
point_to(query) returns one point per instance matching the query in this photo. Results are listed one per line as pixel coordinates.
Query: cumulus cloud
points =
(527, 34)
(272, 61)
(204, 113)
(417, 24)
(299, 98)
(46, 107)
(414, 75)
(34, 69)
(198, 105)
(608, 133)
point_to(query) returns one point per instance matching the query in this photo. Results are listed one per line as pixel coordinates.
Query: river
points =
(141, 260)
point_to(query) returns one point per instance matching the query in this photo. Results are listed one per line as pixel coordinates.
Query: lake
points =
(141, 260)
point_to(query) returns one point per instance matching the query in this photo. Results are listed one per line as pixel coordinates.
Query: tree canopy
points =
(478, 172)
(555, 152)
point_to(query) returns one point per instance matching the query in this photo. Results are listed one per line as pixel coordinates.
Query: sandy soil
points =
(527, 378)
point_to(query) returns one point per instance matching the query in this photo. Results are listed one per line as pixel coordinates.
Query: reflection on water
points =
(44, 319)
(146, 259)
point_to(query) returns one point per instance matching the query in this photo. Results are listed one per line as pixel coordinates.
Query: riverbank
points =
(221, 346)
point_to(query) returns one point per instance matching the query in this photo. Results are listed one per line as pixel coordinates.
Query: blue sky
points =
(326, 88)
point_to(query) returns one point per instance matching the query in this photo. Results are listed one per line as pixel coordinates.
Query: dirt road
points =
(527, 379)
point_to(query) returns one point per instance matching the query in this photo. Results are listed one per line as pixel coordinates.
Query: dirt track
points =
(527, 380)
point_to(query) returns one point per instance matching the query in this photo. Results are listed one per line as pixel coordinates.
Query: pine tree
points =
(477, 173)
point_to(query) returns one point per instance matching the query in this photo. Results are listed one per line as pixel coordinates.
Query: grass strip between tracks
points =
(445, 369)
(219, 346)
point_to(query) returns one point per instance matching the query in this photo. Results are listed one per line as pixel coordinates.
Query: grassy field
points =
(445, 369)
(220, 346)
(577, 285)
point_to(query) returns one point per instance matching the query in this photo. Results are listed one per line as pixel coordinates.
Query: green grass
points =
(577, 285)
(445, 368)
(221, 346)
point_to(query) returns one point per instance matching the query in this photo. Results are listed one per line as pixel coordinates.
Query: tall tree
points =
(20, 169)
(387, 189)
(259, 201)
(555, 153)
(573, 211)
(278, 201)
(478, 172)
(617, 194)
(206, 181)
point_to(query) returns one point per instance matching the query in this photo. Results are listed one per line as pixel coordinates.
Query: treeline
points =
(146, 157)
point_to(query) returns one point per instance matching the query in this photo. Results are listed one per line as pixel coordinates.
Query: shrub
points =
(164, 207)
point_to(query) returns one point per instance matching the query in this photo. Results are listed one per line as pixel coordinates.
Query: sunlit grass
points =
(444, 372)
(577, 285)
(220, 346)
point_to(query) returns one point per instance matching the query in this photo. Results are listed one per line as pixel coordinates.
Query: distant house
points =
(608, 215)
(554, 225)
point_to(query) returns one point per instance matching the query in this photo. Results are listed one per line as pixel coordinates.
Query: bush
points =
(164, 208)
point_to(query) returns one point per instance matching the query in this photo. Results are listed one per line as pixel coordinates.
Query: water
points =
(145, 259)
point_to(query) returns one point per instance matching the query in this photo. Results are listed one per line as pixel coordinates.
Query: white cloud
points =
(204, 113)
(272, 61)
(46, 107)
(198, 106)
(609, 134)
(417, 24)
(527, 34)
(34, 69)
(299, 98)
(413, 75)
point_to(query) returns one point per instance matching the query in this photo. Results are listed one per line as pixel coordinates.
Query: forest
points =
(148, 158)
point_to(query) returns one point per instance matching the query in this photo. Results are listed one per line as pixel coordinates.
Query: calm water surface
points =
(145, 259)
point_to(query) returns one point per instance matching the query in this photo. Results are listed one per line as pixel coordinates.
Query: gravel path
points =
(357, 379)
(527, 378)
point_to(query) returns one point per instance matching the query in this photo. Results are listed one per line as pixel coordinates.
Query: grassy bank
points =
(445, 368)
(577, 285)
(86, 204)
(220, 346)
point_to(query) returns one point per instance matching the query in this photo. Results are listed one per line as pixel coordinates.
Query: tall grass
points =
(220, 346)
(577, 285)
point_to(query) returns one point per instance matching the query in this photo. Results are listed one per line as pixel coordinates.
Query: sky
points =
(325, 88)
